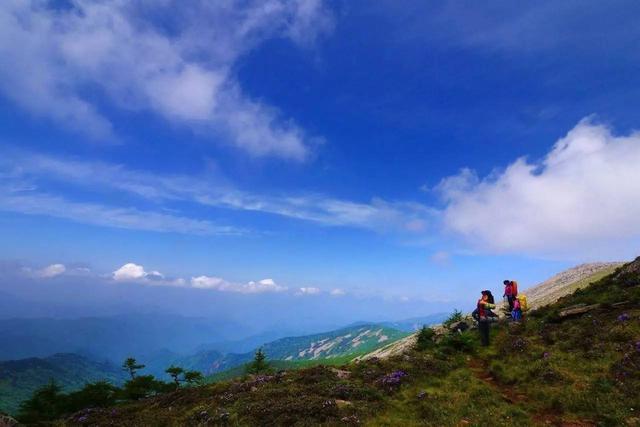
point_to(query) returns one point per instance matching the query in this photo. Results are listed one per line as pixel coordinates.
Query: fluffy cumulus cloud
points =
(219, 284)
(180, 70)
(131, 272)
(581, 200)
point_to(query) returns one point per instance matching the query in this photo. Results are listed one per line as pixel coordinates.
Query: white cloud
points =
(219, 284)
(51, 55)
(337, 292)
(129, 271)
(308, 291)
(52, 270)
(208, 282)
(581, 200)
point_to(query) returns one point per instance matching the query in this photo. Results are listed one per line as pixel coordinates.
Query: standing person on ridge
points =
(483, 309)
(509, 293)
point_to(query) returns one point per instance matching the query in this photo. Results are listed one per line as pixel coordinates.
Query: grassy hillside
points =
(19, 378)
(565, 365)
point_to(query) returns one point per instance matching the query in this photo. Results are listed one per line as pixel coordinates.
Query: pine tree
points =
(193, 377)
(175, 372)
(131, 365)
(259, 363)
(46, 404)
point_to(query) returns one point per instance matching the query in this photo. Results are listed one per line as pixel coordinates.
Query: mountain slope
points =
(19, 378)
(575, 362)
(544, 293)
(567, 282)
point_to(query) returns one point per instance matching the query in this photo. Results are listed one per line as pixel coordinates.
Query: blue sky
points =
(413, 152)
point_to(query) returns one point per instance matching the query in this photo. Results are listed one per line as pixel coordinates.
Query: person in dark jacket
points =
(484, 317)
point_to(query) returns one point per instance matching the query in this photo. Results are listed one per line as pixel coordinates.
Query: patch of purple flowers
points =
(637, 345)
(623, 317)
(393, 380)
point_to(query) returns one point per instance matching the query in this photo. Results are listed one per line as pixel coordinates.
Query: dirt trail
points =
(480, 370)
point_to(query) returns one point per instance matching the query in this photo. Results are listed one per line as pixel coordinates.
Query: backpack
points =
(523, 302)
(514, 287)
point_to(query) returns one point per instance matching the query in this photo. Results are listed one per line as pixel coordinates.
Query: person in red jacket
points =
(509, 293)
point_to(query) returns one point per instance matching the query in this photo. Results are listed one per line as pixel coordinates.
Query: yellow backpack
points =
(523, 302)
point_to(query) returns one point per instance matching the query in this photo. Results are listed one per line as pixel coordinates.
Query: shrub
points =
(142, 386)
(454, 317)
(425, 338)
(457, 343)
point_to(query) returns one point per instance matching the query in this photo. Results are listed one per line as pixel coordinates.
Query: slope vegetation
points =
(19, 378)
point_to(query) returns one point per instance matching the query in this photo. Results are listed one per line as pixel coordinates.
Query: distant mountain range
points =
(19, 378)
(415, 323)
(113, 338)
(342, 344)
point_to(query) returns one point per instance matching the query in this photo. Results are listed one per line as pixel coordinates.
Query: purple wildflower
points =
(393, 379)
(545, 355)
(623, 317)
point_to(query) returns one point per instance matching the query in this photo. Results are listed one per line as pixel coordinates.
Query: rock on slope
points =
(542, 294)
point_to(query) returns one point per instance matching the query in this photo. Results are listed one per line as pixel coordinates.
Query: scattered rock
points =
(460, 326)
(7, 421)
(341, 373)
(353, 420)
(343, 403)
(569, 312)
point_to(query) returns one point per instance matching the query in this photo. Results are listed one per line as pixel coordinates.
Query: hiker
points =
(483, 308)
(510, 292)
(516, 313)
(490, 300)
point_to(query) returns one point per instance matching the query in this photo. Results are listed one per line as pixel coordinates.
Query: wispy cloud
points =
(377, 214)
(34, 203)
(52, 270)
(51, 54)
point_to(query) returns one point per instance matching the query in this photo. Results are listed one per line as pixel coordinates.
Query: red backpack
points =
(514, 288)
